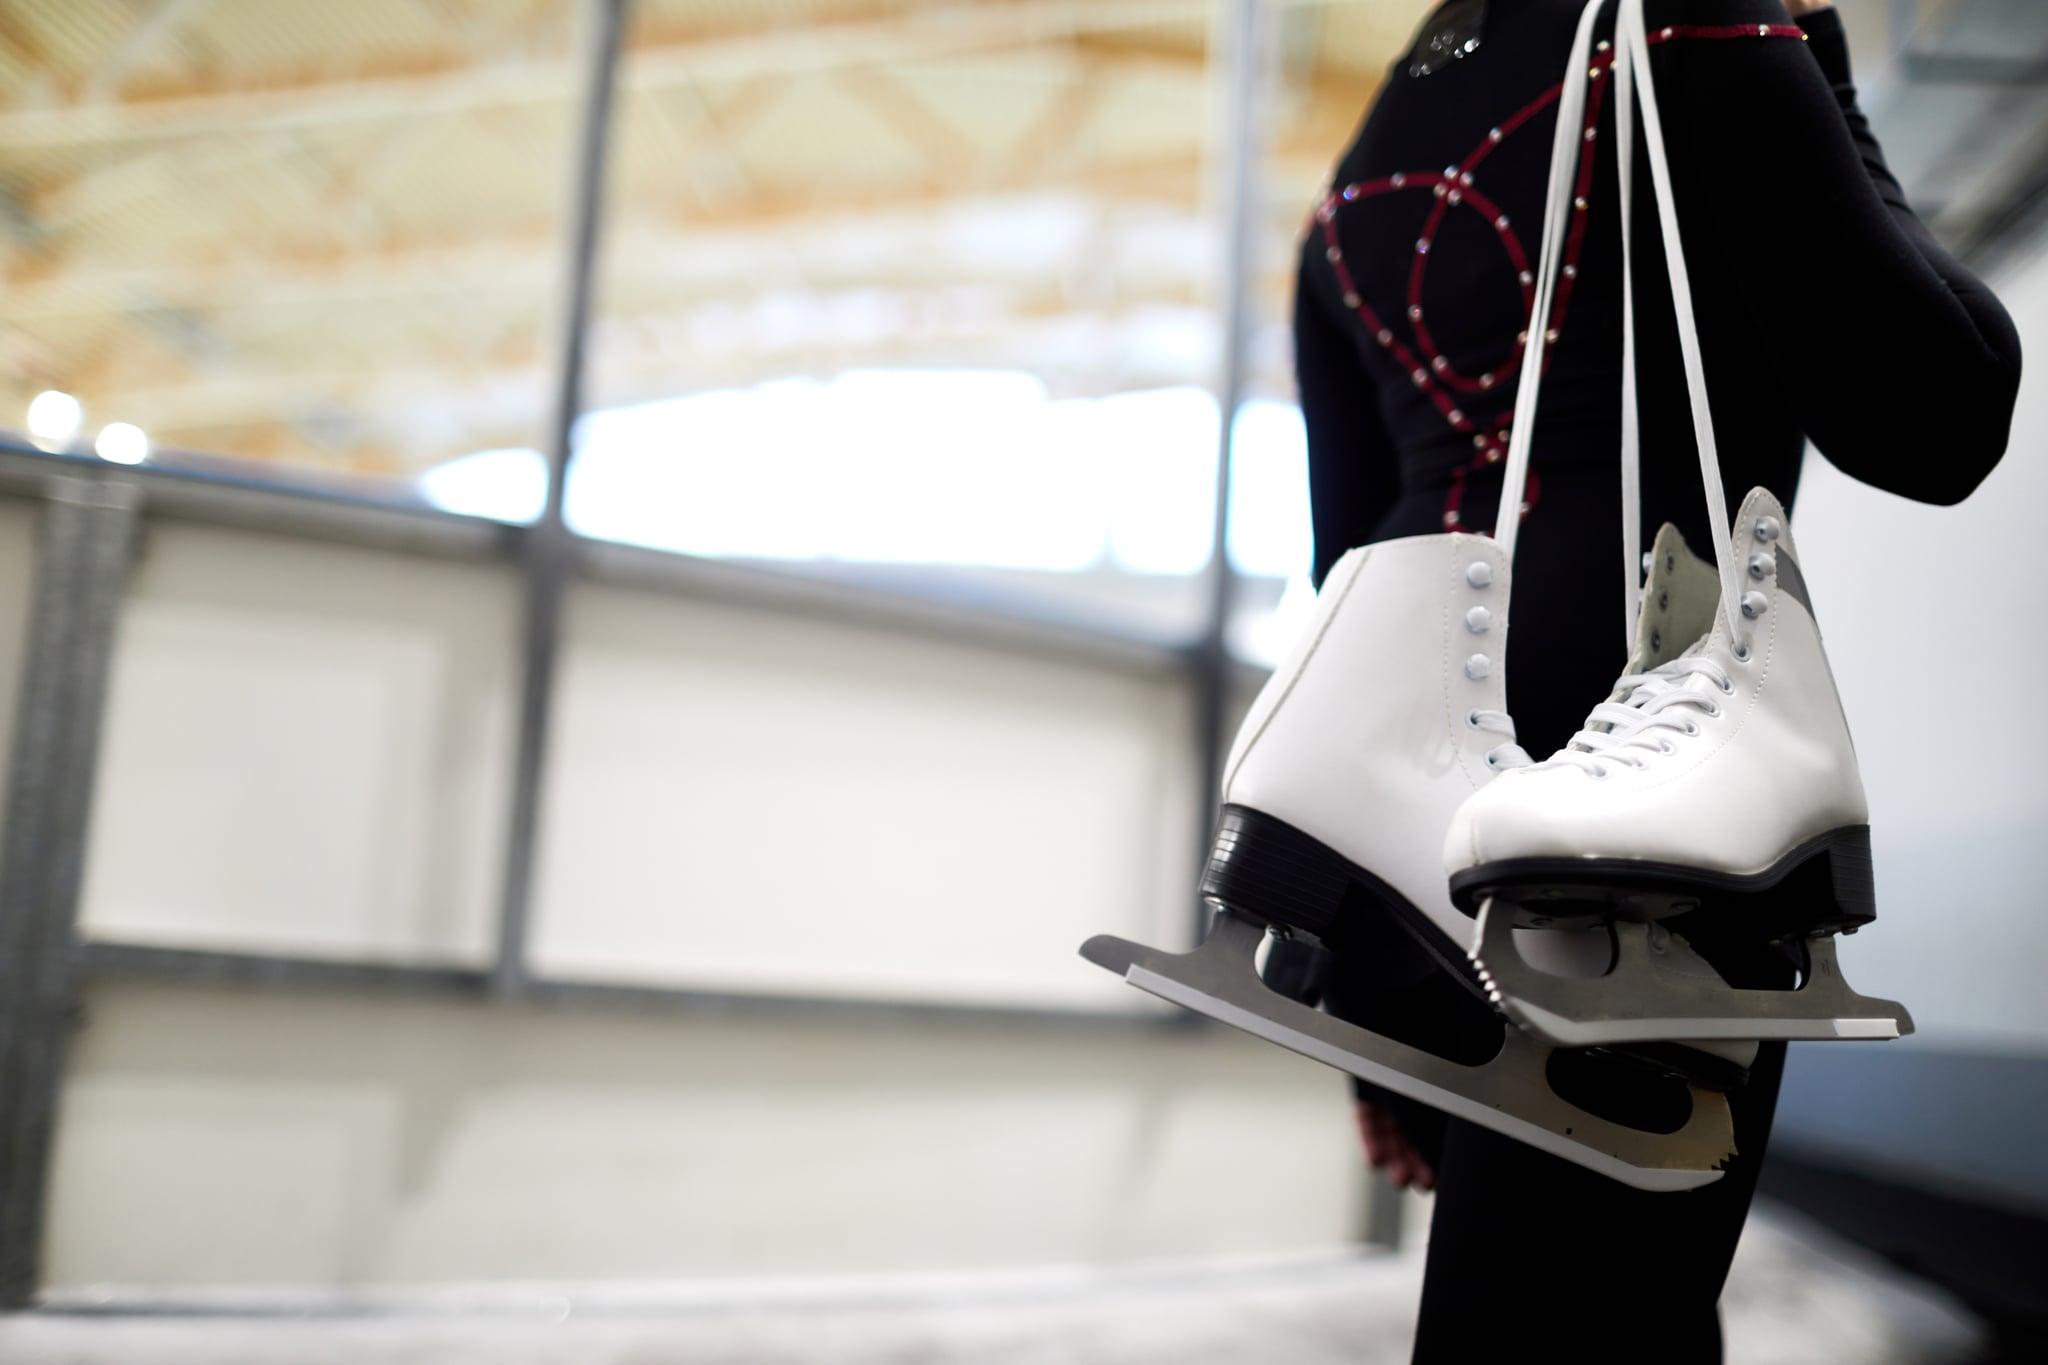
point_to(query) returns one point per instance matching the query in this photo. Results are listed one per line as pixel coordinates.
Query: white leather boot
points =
(1717, 788)
(1729, 764)
(1386, 716)
(1388, 713)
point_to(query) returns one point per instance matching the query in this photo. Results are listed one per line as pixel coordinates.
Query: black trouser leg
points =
(1531, 1257)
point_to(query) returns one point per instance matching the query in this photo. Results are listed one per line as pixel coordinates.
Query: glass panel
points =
(924, 298)
(1330, 60)
(282, 238)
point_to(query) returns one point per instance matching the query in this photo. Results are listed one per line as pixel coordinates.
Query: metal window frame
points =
(90, 516)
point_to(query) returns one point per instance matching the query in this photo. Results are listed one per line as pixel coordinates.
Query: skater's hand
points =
(1386, 1149)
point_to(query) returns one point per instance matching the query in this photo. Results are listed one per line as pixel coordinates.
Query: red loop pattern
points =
(1453, 187)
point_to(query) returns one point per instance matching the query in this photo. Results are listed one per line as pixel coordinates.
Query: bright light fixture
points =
(54, 416)
(122, 443)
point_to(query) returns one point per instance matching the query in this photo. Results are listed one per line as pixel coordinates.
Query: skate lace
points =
(1508, 755)
(1629, 727)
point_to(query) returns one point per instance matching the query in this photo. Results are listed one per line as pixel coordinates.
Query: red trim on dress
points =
(1428, 368)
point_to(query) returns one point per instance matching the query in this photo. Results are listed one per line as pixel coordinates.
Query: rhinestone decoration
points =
(1434, 374)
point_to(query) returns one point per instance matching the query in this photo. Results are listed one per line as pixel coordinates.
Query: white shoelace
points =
(1626, 729)
(1508, 755)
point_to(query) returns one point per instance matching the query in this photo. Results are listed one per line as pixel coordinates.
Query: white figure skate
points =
(1388, 714)
(1716, 790)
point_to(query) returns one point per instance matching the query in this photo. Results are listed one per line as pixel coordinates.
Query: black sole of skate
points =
(1823, 886)
(1267, 871)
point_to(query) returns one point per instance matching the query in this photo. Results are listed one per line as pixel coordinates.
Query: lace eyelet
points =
(1713, 712)
(1472, 719)
(1741, 653)
(1665, 746)
(1727, 688)
(1598, 772)
(1692, 727)
(1493, 762)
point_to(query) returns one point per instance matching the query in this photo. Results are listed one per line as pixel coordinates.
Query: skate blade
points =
(1642, 999)
(1510, 1094)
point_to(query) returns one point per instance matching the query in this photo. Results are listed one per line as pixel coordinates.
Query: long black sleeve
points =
(1352, 475)
(1901, 366)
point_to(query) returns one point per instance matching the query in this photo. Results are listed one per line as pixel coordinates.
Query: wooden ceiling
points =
(332, 234)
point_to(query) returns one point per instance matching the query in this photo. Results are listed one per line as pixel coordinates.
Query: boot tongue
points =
(1679, 602)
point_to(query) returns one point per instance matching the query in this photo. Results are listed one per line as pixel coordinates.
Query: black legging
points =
(1528, 1251)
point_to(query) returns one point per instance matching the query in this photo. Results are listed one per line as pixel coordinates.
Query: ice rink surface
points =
(1795, 1296)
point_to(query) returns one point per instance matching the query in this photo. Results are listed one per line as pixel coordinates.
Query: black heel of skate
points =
(1266, 870)
(1269, 870)
(1853, 877)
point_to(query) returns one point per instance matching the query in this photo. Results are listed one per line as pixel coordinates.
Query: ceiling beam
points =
(449, 83)
(136, 46)
(1031, 324)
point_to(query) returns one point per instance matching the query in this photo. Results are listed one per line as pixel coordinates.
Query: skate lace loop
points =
(1508, 755)
(1627, 729)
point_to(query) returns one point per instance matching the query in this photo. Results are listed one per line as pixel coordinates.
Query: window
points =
(282, 239)
(924, 297)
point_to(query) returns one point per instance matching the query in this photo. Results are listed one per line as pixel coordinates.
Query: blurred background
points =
(595, 597)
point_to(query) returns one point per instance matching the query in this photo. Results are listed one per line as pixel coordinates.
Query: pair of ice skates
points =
(1713, 798)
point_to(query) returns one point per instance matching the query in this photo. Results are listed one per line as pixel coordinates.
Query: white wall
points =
(306, 749)
(761, 802)
(306, 752)
(1932, 623)
(251, 1137)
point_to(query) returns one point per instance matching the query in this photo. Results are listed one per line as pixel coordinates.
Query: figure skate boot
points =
(1714, 795)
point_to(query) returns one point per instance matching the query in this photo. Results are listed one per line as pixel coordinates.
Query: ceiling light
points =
(123, 443)
(54, 416)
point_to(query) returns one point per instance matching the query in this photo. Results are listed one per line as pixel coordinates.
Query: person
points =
(1827, 312)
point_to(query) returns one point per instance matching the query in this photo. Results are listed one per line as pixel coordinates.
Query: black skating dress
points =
(1826, 313)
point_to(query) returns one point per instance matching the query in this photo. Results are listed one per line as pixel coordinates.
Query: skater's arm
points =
(1901, 365)
(1351, 472)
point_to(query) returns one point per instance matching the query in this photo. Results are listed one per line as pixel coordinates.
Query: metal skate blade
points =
(1510, 1094)
(1644, 998)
